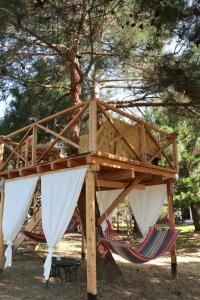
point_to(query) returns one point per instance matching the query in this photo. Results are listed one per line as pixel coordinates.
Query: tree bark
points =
(196, 216)
(75, 91)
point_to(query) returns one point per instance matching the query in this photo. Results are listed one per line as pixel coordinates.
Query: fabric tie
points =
(47, 264)
(8, 255)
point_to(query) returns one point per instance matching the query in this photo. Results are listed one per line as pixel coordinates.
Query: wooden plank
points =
(47, 119)
(117, 185)
(111, 162)
(133, 150)
(16, 149)
(157, 143)
(91, 236)
(143, 146)
(1, 152)
(28, 227)
(43, 168)
(34, 145)
(13, 173)
(172, 226)
(67, 141)
(111, 184)
(175, 154)
(163, 147)
(1, 232)
(59, 165)
(93, 126)
(63, 131)
(118, 175)
(117, 201)
(17, 154)
(27, 171)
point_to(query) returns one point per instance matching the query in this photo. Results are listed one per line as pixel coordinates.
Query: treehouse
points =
(119, 150)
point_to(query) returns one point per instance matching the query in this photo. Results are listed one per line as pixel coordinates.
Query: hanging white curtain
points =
(59, 196)
(18, 197)
(147, 204)
(105, 199)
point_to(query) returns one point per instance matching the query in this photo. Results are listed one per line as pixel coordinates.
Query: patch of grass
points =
(185, 228)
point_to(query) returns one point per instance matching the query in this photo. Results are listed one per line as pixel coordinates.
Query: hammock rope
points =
(156, 244)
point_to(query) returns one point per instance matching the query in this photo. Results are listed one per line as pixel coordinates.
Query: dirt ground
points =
(149, 281)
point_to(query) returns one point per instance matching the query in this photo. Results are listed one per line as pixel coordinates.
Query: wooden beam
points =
(47, 119)
(67, 141)
(118, 175)
(172, 226)
(169, 142)
(143, 146)
(1, 232)
(63, 131)
(158, 145)
(27, 171)
(175, 154)
(93, 126)
(28, 227)
(43, 168)
(34, 145)
(91, 236)
(131, 117)
(117, 201)
(16, 149)
(117, 185)
(111, 184)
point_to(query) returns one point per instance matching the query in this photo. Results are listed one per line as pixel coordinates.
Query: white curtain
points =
(59, 196)
(18, 197)
(147, 204)
(105, 199)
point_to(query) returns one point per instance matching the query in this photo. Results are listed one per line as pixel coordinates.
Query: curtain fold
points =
(104, 200)
(147, 204)
(18, 197)
(59, 195)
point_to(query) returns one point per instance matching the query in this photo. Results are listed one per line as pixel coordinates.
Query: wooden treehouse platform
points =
(118, 146)
(120, 150)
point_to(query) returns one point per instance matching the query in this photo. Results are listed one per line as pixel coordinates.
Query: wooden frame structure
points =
(36, 149)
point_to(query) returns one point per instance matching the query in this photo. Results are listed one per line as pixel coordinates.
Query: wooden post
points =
(91, 236)
(93, 126)
(143, 147)
(34, 145)
(175, 154)
(172, 226)
(1, 233)
(82, 246)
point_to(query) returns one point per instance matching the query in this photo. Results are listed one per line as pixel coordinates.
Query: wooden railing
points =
(41, 141)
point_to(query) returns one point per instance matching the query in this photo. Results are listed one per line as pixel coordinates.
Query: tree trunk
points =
(106, 266)
(196, 216)
(75, 98)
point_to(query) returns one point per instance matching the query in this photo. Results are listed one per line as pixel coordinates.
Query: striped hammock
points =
(156, 244)
(39, 237)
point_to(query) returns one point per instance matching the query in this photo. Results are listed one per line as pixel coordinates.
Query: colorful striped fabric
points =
(156, 244)
(40, 237)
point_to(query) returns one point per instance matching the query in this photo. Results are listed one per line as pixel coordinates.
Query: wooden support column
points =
(82, 246)
(143, 147)
(93, 126)
(172, 226)
(34, 145)
(91, 236)
(1, 233)
(175, 154)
